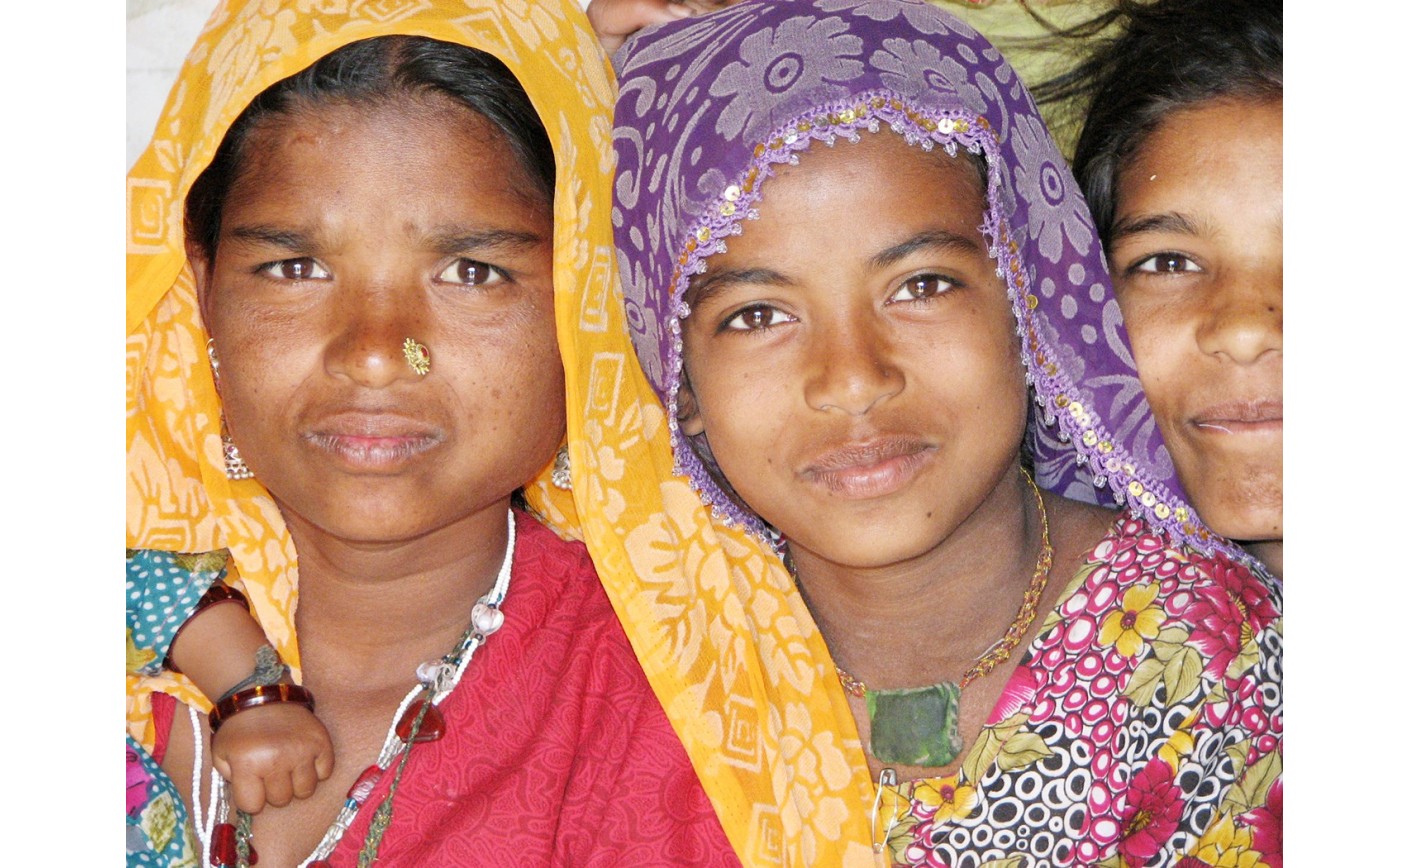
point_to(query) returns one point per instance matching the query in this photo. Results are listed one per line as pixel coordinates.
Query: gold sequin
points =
(1104, 446)
(1060, 400)
(732, 193)
(703, 233)
(1148, 499)
(727, 209)
(1136, 488)
(1162, 511)
(1089, 438)
(848, 115)
(1032, 302)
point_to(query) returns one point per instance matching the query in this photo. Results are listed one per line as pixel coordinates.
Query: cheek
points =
(1158, 346)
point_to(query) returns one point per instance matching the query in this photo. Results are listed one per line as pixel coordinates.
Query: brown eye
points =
(922, 287)
(1167, 262)
(469, 272)
(302, 268)
(756, 317)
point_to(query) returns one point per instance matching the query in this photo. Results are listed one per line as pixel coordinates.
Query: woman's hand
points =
(615, 20)
(272, 755)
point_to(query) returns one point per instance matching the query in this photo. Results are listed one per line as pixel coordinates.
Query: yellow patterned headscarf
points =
(722, 633)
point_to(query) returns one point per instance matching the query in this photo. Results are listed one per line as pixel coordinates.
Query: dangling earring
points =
(215, 361)
(562, 470)
(235, 466)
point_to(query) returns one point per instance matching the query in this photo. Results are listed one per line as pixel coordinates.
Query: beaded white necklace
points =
(441, 677)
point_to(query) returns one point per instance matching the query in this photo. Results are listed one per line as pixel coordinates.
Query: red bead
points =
(432, 727)
(254, 857)
(318, 863)
(362, 787)
(223, 850)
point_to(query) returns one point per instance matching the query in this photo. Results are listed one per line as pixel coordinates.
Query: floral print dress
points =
(1143, 727)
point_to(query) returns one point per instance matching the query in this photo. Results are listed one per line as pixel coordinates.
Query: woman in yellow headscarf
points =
(372, 214)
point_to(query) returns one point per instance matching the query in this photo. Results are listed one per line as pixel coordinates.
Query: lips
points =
(869, 468)
(1231, 417)
(373, 441)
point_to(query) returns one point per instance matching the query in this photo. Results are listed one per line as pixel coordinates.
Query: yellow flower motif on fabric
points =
(1180, 744)
(159, 822)
(947, 797)
(137, 658)
(1225, 844)
(1138, 619)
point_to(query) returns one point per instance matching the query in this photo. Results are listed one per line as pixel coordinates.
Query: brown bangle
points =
(254, 697)
(216, 593)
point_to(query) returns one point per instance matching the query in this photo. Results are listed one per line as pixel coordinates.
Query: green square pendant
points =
(917, 726)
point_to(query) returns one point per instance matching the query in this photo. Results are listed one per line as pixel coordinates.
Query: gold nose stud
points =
(417, 356)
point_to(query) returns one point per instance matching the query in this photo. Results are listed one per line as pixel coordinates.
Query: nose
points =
(370, 330)
(1244, 316)
(853, 368)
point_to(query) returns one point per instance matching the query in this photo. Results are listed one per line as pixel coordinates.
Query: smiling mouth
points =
(870, 468)
(1240, 417)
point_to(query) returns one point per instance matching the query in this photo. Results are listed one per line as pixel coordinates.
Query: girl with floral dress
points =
(853, 258)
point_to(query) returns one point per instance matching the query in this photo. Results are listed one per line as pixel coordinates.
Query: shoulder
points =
(560, 576)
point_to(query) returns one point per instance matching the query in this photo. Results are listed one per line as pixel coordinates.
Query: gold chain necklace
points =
(920, 725)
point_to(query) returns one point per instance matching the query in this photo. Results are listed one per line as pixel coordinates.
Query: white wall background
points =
(159, 33)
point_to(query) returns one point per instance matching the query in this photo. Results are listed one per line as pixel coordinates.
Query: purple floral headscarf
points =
(711, 106)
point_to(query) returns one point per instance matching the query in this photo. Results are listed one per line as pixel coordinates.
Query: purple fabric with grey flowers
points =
(710, 106)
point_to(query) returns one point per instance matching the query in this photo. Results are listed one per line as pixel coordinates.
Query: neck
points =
(1270, 552)
(926, 619)
(367, 603)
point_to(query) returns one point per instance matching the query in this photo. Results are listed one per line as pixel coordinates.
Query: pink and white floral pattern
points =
(1143, 726)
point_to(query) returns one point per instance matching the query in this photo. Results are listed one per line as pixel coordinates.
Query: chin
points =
(1246, 522)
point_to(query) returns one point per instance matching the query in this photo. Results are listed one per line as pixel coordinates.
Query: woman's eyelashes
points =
(922, 288)
(1164, 262)
(471, 272)
(461, 271)
(298, 268)
(754, 318)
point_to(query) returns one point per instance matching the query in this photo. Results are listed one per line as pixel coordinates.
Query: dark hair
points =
(1170, 55)
(366, 72)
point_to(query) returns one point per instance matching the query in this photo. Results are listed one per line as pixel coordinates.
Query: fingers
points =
(304, 781)
(323, 763)
(248, 793)
(279, 789)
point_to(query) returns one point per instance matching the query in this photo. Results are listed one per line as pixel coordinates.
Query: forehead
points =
(1207, 153)
(403, 149)
(862, 194)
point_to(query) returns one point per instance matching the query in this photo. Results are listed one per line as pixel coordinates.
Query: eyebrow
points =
(444, 241)
(930, 239)
(288, 239)
(457, 240)
(1170, 221)
(698, 292)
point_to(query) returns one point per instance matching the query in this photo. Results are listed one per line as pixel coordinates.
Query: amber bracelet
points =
(254, 697)
(216, 593)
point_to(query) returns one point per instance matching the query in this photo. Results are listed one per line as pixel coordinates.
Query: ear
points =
(201, 270)
(687, 410)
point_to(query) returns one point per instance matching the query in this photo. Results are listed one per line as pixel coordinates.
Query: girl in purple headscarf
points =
(857, 274)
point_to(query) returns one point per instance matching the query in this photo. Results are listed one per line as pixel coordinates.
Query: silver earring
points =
(215, 362)
(235, 466)
(562, 471)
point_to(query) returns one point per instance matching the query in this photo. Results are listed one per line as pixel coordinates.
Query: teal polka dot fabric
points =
(162, 591)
